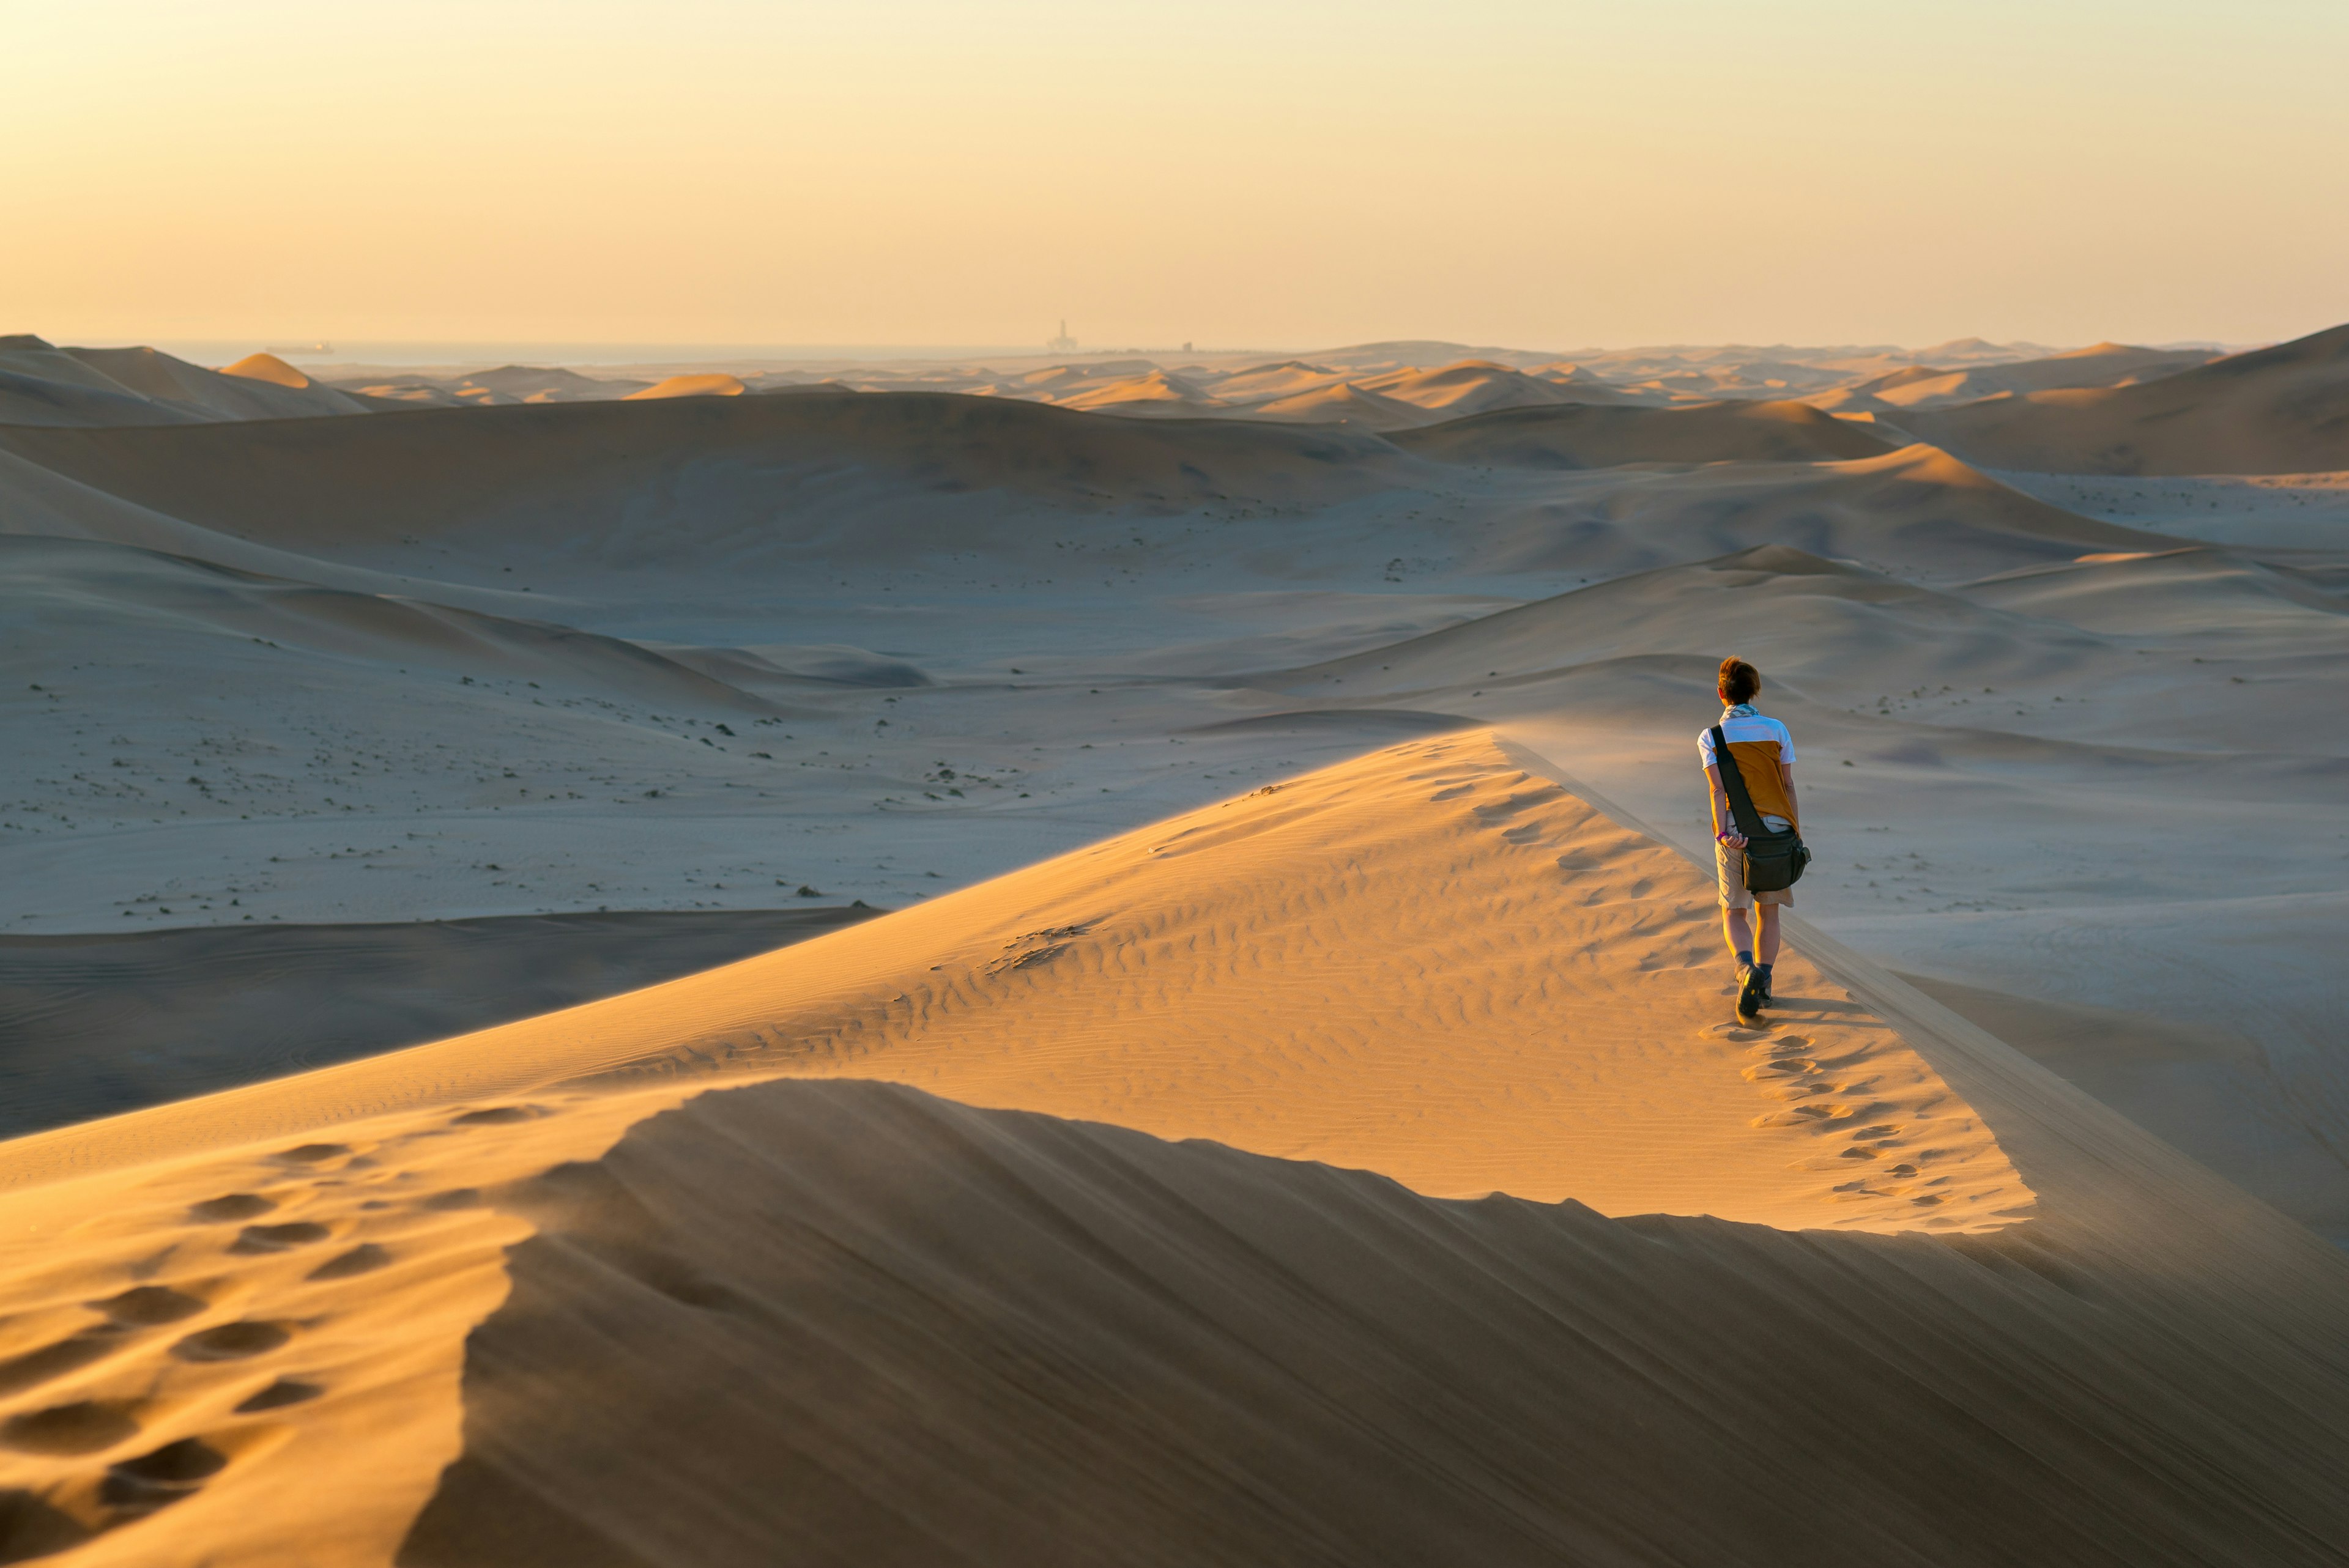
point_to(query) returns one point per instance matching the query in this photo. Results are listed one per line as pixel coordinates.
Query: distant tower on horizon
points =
(1063, 344)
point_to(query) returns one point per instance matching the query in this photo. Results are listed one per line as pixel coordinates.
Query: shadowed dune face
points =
(2279, 410)
(1037, 1341)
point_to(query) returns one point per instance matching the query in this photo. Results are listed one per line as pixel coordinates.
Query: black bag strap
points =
(1732, 784)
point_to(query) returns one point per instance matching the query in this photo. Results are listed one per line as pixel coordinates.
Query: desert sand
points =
(1286, 1108)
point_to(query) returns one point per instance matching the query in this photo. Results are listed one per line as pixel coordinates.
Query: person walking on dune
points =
(1761, 755)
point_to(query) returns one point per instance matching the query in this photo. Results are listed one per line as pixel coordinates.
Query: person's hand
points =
(1732, 837)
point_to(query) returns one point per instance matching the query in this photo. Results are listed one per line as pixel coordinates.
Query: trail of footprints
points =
(116, 1404)
(1835, 1099)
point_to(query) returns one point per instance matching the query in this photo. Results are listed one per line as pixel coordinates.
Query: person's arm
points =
(1787, 776)
(1725, 821)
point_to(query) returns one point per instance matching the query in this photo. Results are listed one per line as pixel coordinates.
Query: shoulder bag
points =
(1773, 861)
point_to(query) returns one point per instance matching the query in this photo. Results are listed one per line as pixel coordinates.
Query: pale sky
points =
(1539, 173)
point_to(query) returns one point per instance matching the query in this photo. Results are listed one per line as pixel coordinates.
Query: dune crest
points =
(267, 368)
(1270, 973)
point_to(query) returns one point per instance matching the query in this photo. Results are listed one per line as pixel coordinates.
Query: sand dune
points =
(40, 384)
(2173, 592)
(717, 385)
(584, 468)
(1470, 387)
(1282, 379)
(1030, 1300)
(140, 593)
(1923, 386)
(2274, 411)
(1343, 404)
(1578, 436)
(1937, 518)
(1160, 392)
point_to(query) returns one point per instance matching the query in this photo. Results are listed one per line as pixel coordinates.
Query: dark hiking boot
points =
(1751, 990)
(1762, 970)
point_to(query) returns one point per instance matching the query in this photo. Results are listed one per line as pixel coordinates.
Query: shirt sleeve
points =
(1785, 746)
(1705, 747)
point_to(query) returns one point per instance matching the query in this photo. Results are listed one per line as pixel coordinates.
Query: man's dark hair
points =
(1739, 681)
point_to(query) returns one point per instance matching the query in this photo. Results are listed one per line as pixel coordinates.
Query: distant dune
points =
(566, 469)
(1160, 392)
(2274, 411)
(708, 385)
(1578, 436)
(1922, 387)
(41, 385)
(1343, 404)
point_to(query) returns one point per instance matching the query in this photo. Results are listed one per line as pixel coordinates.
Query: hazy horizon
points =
(928, 174)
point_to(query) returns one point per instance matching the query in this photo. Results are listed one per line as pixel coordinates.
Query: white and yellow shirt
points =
(1759, 745)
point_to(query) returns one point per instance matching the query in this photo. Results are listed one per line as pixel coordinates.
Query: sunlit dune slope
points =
(1580, 436)
(1425, 963)
(2276, 410)
(1470, 387)
(716, 385)
(1160, 393)
(1034, 1325)
(1344, 404)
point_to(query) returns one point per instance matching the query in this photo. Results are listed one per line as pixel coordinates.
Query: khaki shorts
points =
(1729, 870)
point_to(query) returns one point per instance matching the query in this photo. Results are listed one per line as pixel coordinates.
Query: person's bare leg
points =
(1766, 950)
(1735, 932)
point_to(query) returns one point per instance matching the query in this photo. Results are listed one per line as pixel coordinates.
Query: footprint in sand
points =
(365, 1258)
(232, 1341)
(500, 1115)
(150, 1306)
(278, 1395)
(278, 1238)
(84, 1427)
(229, 1207)
(311, 1153)
(156, 1480)
(50, 1362)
